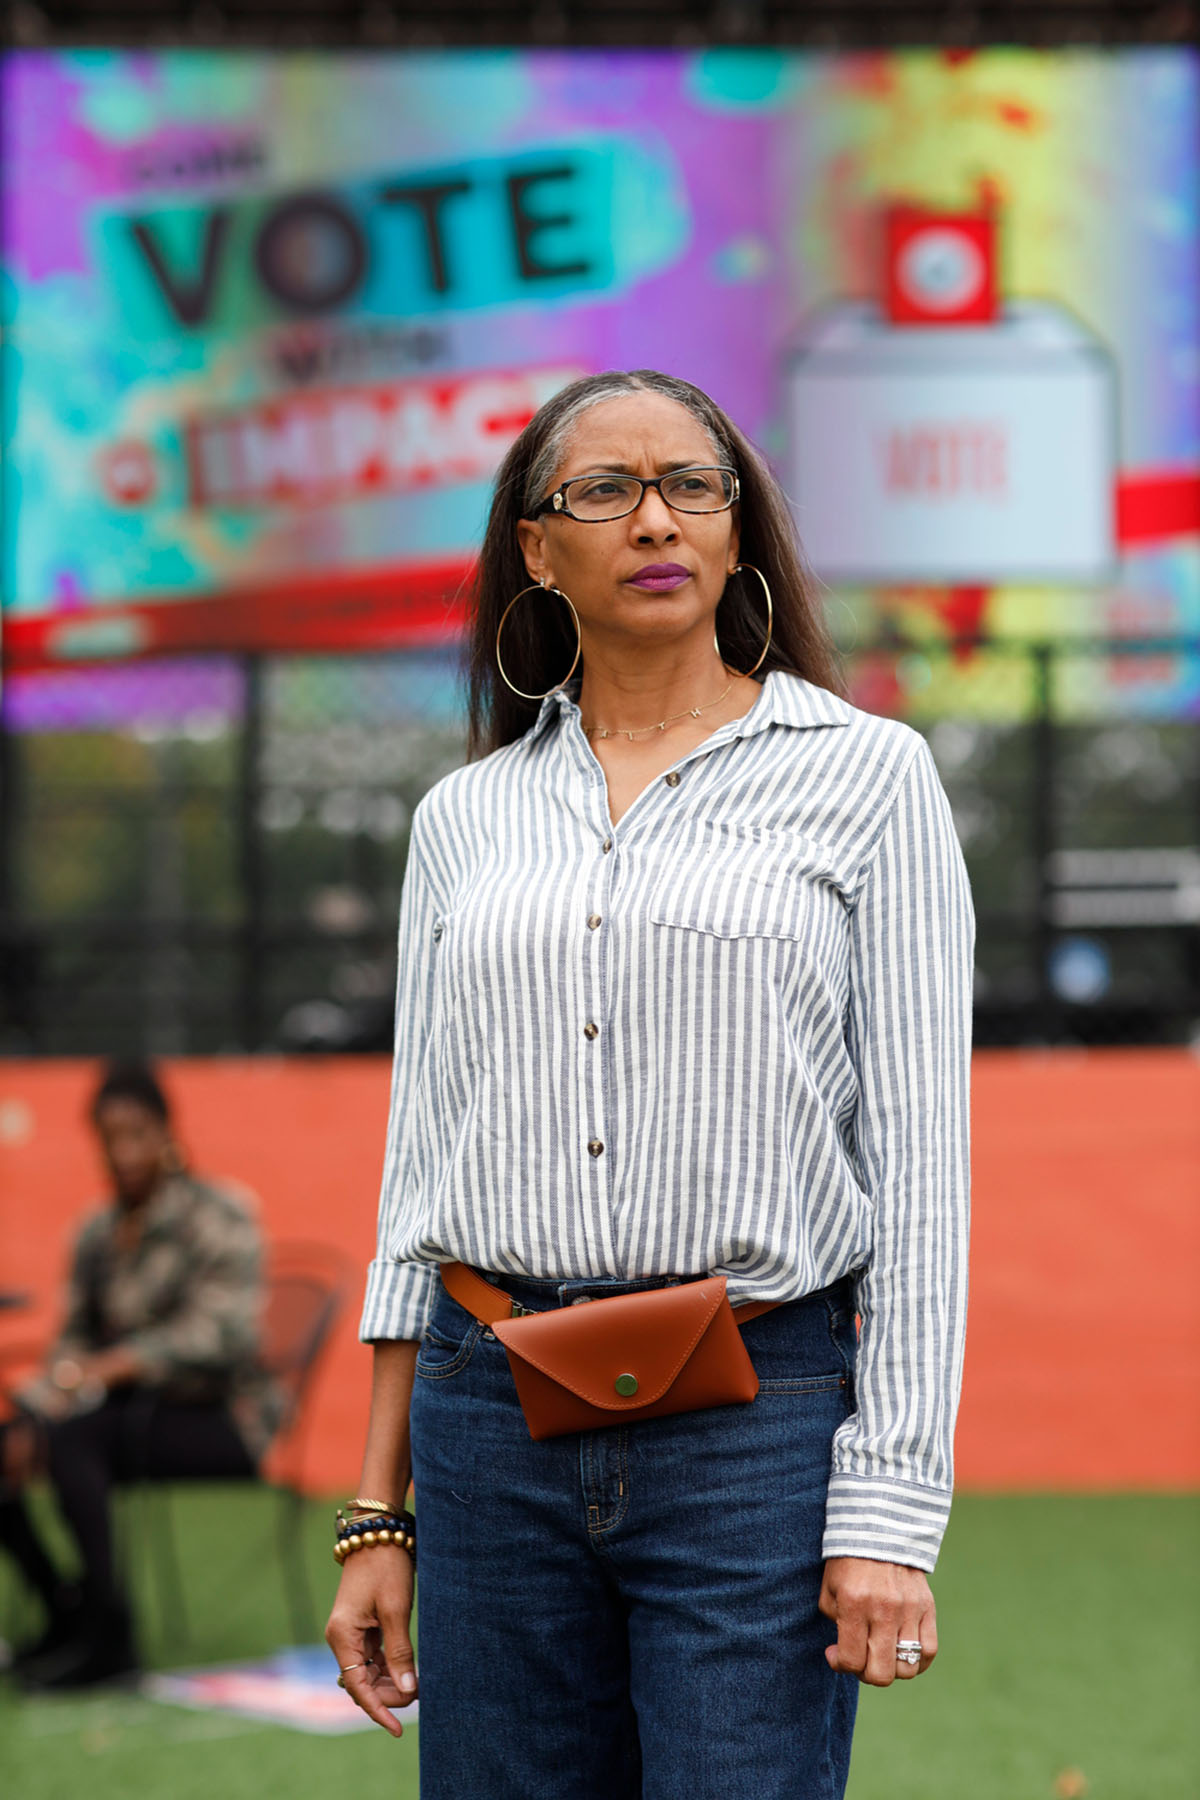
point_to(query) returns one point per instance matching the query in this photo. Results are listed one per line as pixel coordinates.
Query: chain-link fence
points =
(207, 855)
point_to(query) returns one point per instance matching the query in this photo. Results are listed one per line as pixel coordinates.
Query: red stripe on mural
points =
(382, 609)
(1159, 504)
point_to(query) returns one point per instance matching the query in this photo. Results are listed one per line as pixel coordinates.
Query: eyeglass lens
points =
(611, 496)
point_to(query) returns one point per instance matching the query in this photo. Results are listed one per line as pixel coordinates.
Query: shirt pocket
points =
(745, 884)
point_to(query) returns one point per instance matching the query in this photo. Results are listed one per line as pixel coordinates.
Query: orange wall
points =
(1083, 1354)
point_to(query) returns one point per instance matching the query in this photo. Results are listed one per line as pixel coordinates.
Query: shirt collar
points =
(785, 700)
(556, 704)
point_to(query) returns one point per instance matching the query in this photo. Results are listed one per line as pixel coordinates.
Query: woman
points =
(154, 1375)
(684, 991)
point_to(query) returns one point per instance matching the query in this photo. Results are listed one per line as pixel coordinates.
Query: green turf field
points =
(1069, 1631)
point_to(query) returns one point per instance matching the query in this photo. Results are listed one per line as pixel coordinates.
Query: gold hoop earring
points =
(539, 587)
(770, 618)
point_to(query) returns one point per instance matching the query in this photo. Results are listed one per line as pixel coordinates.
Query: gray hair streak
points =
(612, 387)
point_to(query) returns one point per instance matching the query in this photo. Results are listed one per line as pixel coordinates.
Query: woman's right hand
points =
(369, 1627)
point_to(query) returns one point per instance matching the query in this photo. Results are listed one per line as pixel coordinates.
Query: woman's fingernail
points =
(408, 1683)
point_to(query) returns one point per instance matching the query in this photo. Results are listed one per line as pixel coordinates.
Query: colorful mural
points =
(272, 321)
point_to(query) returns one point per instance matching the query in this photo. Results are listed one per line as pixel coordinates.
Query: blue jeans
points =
(629, 1614)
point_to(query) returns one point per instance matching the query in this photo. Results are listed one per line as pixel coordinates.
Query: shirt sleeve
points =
(215, 1326)
(399, 1295)
(75, 1334)
(912, 949)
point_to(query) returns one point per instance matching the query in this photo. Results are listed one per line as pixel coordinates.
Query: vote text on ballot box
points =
(956, 454)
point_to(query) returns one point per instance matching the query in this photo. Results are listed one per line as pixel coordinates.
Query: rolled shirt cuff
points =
(399, 1300)
(887, 1521)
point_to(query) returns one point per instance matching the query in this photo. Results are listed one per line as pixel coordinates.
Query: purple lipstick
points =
(660, 578)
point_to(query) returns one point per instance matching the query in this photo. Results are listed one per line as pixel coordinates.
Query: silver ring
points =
(908, 1652)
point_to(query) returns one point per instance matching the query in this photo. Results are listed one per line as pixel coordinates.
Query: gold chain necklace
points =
(689, 712)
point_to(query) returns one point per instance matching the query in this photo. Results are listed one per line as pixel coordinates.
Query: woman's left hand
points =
(875, 1605)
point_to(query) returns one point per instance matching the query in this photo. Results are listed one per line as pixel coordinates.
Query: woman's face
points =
(603, 566)
(135, 1145)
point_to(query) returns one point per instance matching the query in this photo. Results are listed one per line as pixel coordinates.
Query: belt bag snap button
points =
(626, 1385)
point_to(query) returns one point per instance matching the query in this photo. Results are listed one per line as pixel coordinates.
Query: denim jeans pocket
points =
(444, 1352)
(843, 1334)
(801, 1384)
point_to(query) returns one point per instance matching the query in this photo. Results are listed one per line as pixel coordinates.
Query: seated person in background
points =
(154, 1376)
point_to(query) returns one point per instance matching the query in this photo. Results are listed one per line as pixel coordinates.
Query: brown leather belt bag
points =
(628, 1356)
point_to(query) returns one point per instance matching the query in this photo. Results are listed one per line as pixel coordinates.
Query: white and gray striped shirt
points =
(730, 1034)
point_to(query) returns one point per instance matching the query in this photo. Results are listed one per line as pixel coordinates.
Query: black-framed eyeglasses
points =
(591, 498)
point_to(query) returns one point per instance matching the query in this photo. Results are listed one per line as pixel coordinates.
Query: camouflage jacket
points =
(187, 1299)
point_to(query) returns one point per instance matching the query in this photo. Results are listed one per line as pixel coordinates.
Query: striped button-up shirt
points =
(729, 1034)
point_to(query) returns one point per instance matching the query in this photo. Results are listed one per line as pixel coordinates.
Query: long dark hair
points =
(539, 635)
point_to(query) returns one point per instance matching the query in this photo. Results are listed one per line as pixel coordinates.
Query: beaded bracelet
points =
(389, 1519)
(375, 1528)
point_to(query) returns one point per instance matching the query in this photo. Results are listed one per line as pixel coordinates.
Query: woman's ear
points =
(532, 539)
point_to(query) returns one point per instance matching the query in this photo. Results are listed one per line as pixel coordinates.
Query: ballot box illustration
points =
(943, 436)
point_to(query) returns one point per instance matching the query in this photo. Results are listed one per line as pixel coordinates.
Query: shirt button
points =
(606, 846)
(590, 1030)
(593, 921)
(672, 780)
(595, 1147)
